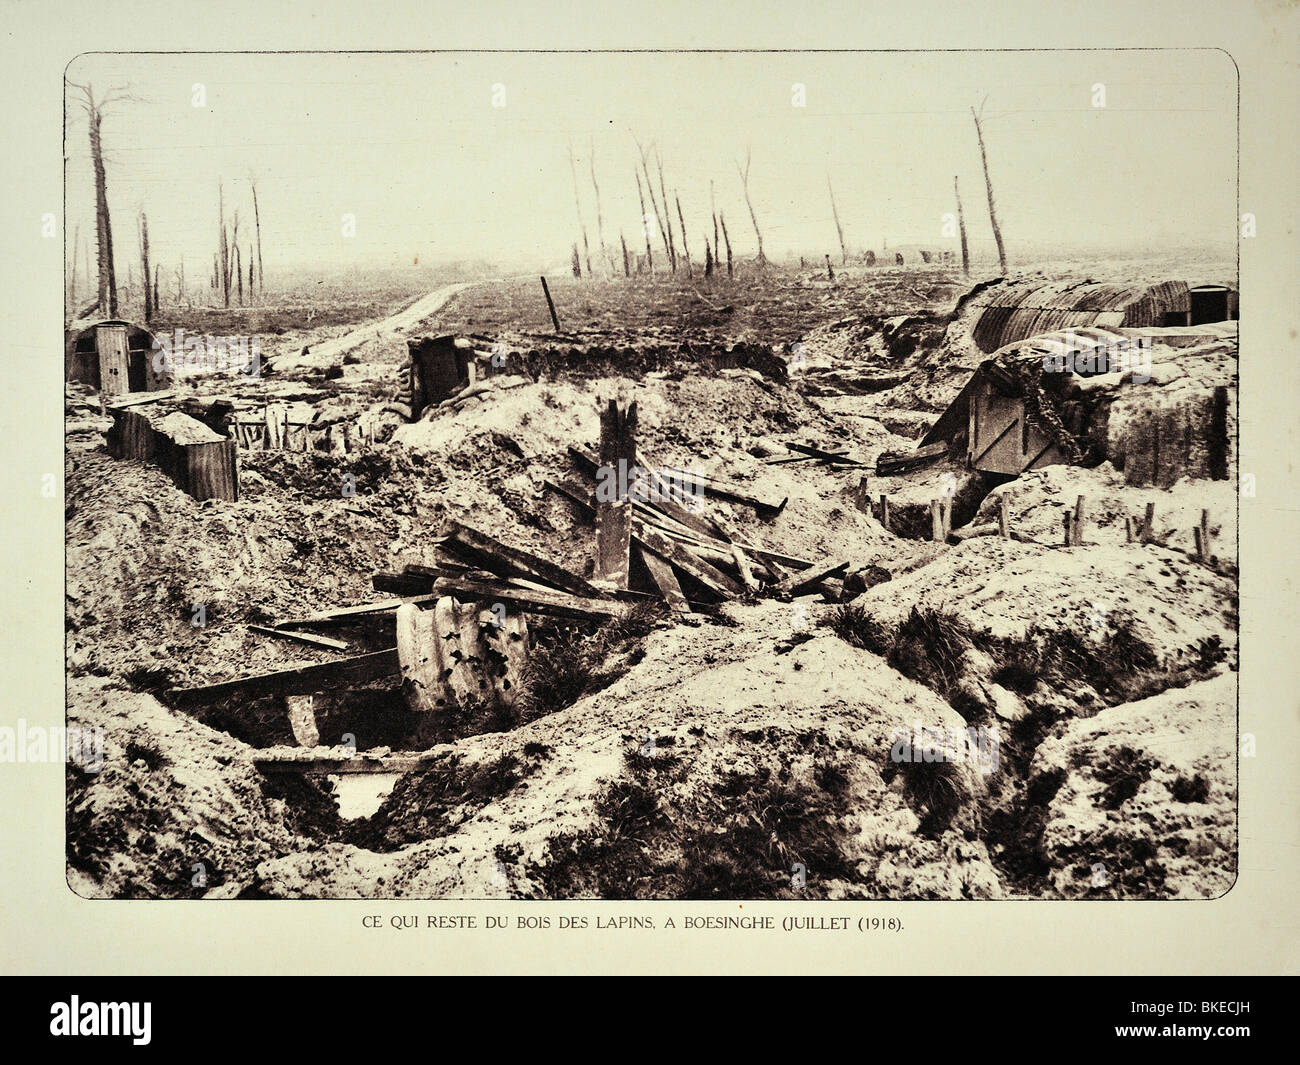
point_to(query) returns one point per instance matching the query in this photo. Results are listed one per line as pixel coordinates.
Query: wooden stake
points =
(1149, 524)
(1004, 519)
(884, 512)
(555, 321)
(1128, 530)
(1078, 522)
(936, 521)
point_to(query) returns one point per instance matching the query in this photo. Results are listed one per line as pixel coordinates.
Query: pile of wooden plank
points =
(675, 546)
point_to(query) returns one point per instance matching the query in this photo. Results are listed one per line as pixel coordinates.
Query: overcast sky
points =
(413, 148)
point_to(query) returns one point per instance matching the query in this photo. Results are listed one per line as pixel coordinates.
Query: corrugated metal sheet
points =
(1075, 305)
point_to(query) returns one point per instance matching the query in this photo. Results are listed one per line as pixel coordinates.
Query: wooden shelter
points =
(114, 356)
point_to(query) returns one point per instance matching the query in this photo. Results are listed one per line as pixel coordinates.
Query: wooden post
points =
(613, 483)
(555, 321)
(1128, 530)
(936, 521)
(1004, 519)
(1077, 527)
(884, 512)
(1069, 528)
(1202, 534)
(1149, 524)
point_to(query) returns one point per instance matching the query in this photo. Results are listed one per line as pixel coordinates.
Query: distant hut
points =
(1021, 312)
(113, 356)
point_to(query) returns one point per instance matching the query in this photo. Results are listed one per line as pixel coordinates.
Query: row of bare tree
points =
(712, 257)
(227, 270)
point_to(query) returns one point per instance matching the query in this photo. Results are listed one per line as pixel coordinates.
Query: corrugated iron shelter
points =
(114, 356)
(1016, 315)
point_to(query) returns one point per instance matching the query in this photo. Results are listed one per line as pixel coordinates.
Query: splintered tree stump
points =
(203, 463)
(614, 480)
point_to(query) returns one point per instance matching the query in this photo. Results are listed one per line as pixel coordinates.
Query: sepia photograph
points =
(652, 475)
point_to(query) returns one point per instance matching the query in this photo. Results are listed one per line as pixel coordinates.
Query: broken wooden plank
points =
(891, 463)
(798, 582)
(300, 680)
(665, 580)
(680, 555)
(347, 613)
(660, 499)
(401, 583)
(135, 399)
(730, 493)
(300, 637)
(482, 550)
(294, 760)
(528, 600)
(584, 501)
(835, 458)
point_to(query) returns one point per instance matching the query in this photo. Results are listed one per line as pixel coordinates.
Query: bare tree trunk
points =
(744, 180)
(600, 218)
(222, 248)
(654, 205)
(103, 224)
(663, 198)
(645, 228)
(727, 241)
(239, 277)
(686, 248)
(961, 225)
(155, 288)
(713, 209)
(72, 283)
(576, 263)
(708, 259)
(577, 204)
(627, 265)
(988, 184)
(844, 253)
(257, 225)
(144, 264)
(232, 265)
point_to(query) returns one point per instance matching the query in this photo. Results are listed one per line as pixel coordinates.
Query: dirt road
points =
(330, 352)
